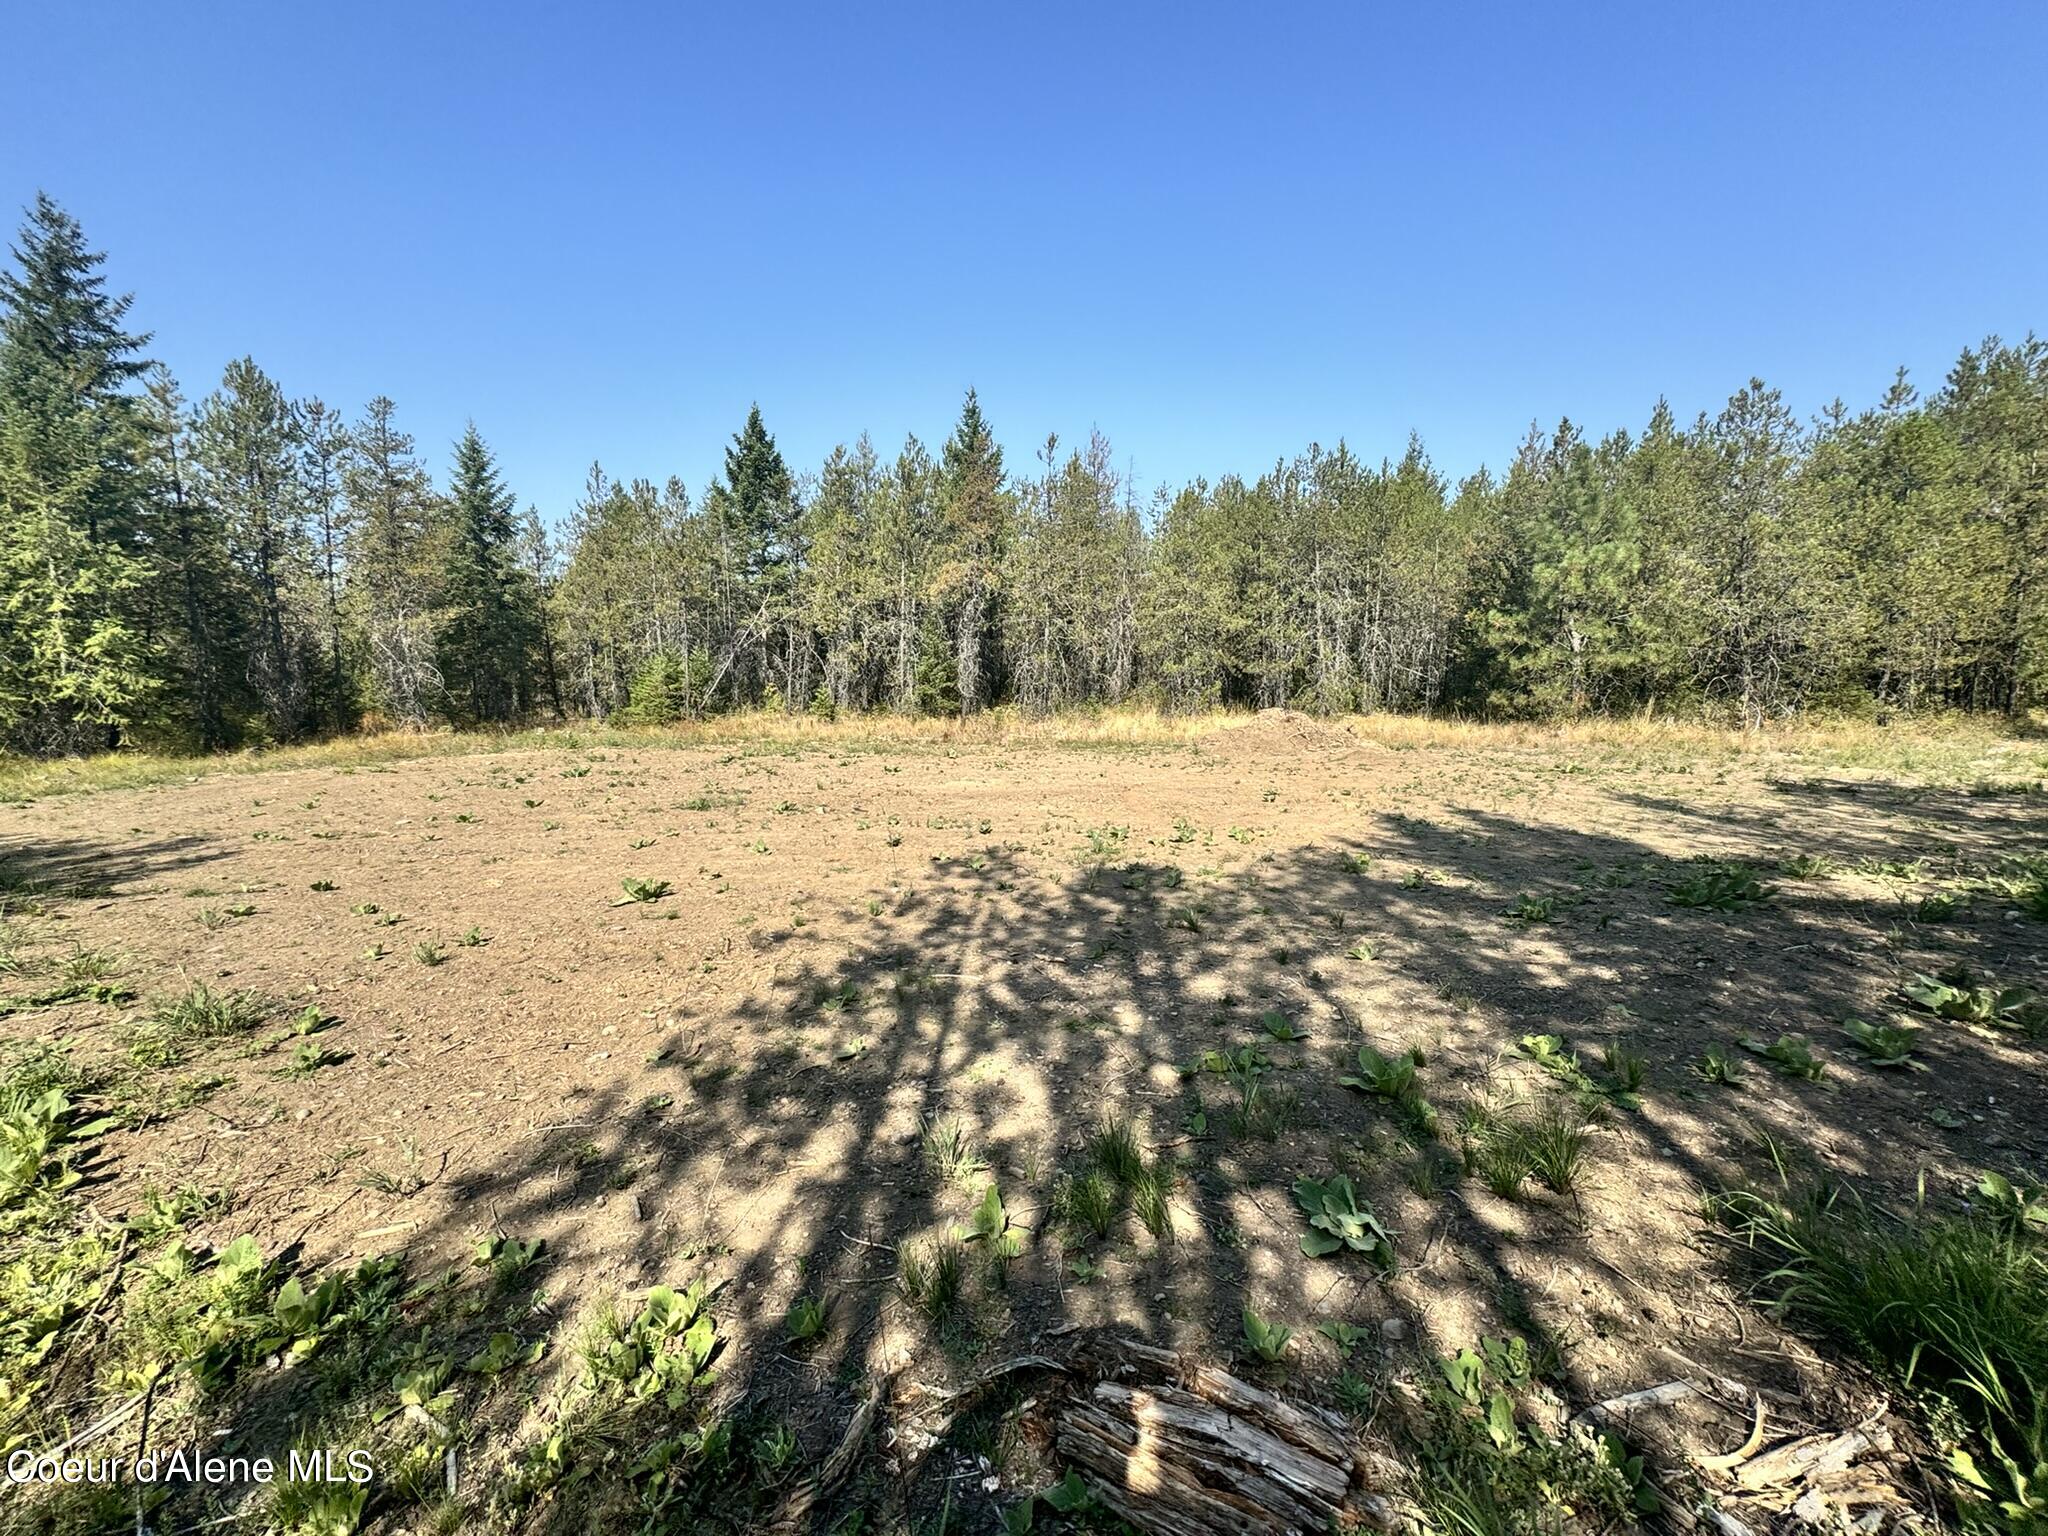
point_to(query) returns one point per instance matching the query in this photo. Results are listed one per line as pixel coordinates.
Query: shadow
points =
(71, 868)
(773, 1145)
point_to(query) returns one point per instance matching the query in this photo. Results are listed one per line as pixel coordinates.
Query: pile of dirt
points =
(1283, 730)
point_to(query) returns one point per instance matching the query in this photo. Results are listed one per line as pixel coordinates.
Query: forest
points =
(258, 567)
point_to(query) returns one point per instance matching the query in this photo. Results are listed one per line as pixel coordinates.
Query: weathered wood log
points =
(1186, 1449)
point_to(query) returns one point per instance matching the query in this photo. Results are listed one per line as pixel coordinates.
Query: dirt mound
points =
(1285, 730)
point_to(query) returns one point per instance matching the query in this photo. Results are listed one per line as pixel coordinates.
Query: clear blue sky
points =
(1217, 233)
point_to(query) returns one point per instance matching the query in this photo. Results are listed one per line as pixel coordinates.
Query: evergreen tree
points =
(200, 613)
(760, 489)
(976, 515)
(490, 632)
(74, 508)
(248, 439)
(323, 458)
(394, 565)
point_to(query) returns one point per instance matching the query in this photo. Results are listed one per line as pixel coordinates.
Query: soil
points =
(731, 1080)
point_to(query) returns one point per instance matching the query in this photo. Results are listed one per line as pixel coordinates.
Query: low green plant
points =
(1954, 1310)
(1337, 1221)
(989, 1224)
(1629, 1067)
(642, 890)
(1345, 1336)
(1717, 1066)
(1970, 1002)
(949, 1151)
(1116, 1151)
(2017, 1208)
(1789, 1054)
(806, 1319)
(1280, 1027)
(929, 1276)
(1531, 910)
(1886, 1045)
(1268, 1341)
(1720, 888)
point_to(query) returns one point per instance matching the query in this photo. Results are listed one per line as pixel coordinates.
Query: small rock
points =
(1393, 1330)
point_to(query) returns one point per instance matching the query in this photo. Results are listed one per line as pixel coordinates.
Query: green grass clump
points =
(1115, 1150)
(200, 1013)
(1953, 1309)
(929, 1277)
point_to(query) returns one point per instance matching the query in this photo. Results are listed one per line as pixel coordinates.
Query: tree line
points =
(256, 568)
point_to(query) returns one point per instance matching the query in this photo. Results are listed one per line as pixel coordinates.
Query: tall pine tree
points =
(490, 630)
(74, 504)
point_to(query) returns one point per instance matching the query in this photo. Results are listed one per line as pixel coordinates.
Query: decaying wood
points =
(837, 1465)
(1186, 1449)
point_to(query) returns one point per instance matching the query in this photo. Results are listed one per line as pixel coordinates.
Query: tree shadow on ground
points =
(776, 1147)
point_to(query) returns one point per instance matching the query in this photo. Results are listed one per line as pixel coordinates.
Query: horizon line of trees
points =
(254, 568)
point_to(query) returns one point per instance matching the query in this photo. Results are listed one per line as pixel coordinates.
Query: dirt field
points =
(733, 1080)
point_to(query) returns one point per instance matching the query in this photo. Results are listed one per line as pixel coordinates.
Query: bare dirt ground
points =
(730, 1081)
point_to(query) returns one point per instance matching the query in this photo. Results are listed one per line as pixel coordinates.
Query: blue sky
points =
(1217, 233)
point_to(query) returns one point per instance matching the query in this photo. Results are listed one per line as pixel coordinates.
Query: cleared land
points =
(869, 980)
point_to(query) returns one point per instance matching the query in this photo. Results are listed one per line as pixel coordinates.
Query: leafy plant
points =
(1979, 1003)
(1790, 1054)
(1717, 1066)
(642, 890)
(1629, 1067)
(1887, 1045)
(1337, 1221)
(989, 1224)
(663, 1353)
(1280, 1027)
(1345, 1336)
(1268, 1341)
(806, 1319)
(2018, 1209)
(1721, 888)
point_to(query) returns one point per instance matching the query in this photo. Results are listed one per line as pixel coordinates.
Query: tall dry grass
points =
(1944, 750)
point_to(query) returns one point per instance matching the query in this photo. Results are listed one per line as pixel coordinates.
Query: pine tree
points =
(975, 510)
(74, 503)
(393, 565)
(761, 491)
(248, 440)
(490, 631)
(323, 458)
(200, 614)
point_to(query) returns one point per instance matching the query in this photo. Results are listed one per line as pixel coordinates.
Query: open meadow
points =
(647, 1118)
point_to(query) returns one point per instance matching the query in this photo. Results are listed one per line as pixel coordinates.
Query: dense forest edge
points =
(256, 570)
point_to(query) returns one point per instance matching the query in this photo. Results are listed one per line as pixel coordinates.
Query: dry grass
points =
(1954, 750)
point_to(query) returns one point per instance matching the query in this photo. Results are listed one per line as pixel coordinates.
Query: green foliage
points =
(642, 890)
(1717, 1066)
(37, 1135)
(662, 1353)
(1886, 1045)
(989, 1224)
(1337, 1221)
(929, 1277)
(1721, 888)
(1115, 1150)
(1972, 1002)
(807, 1318)
(1268, 1341)
(1789, 1054)
(1956, 1311)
